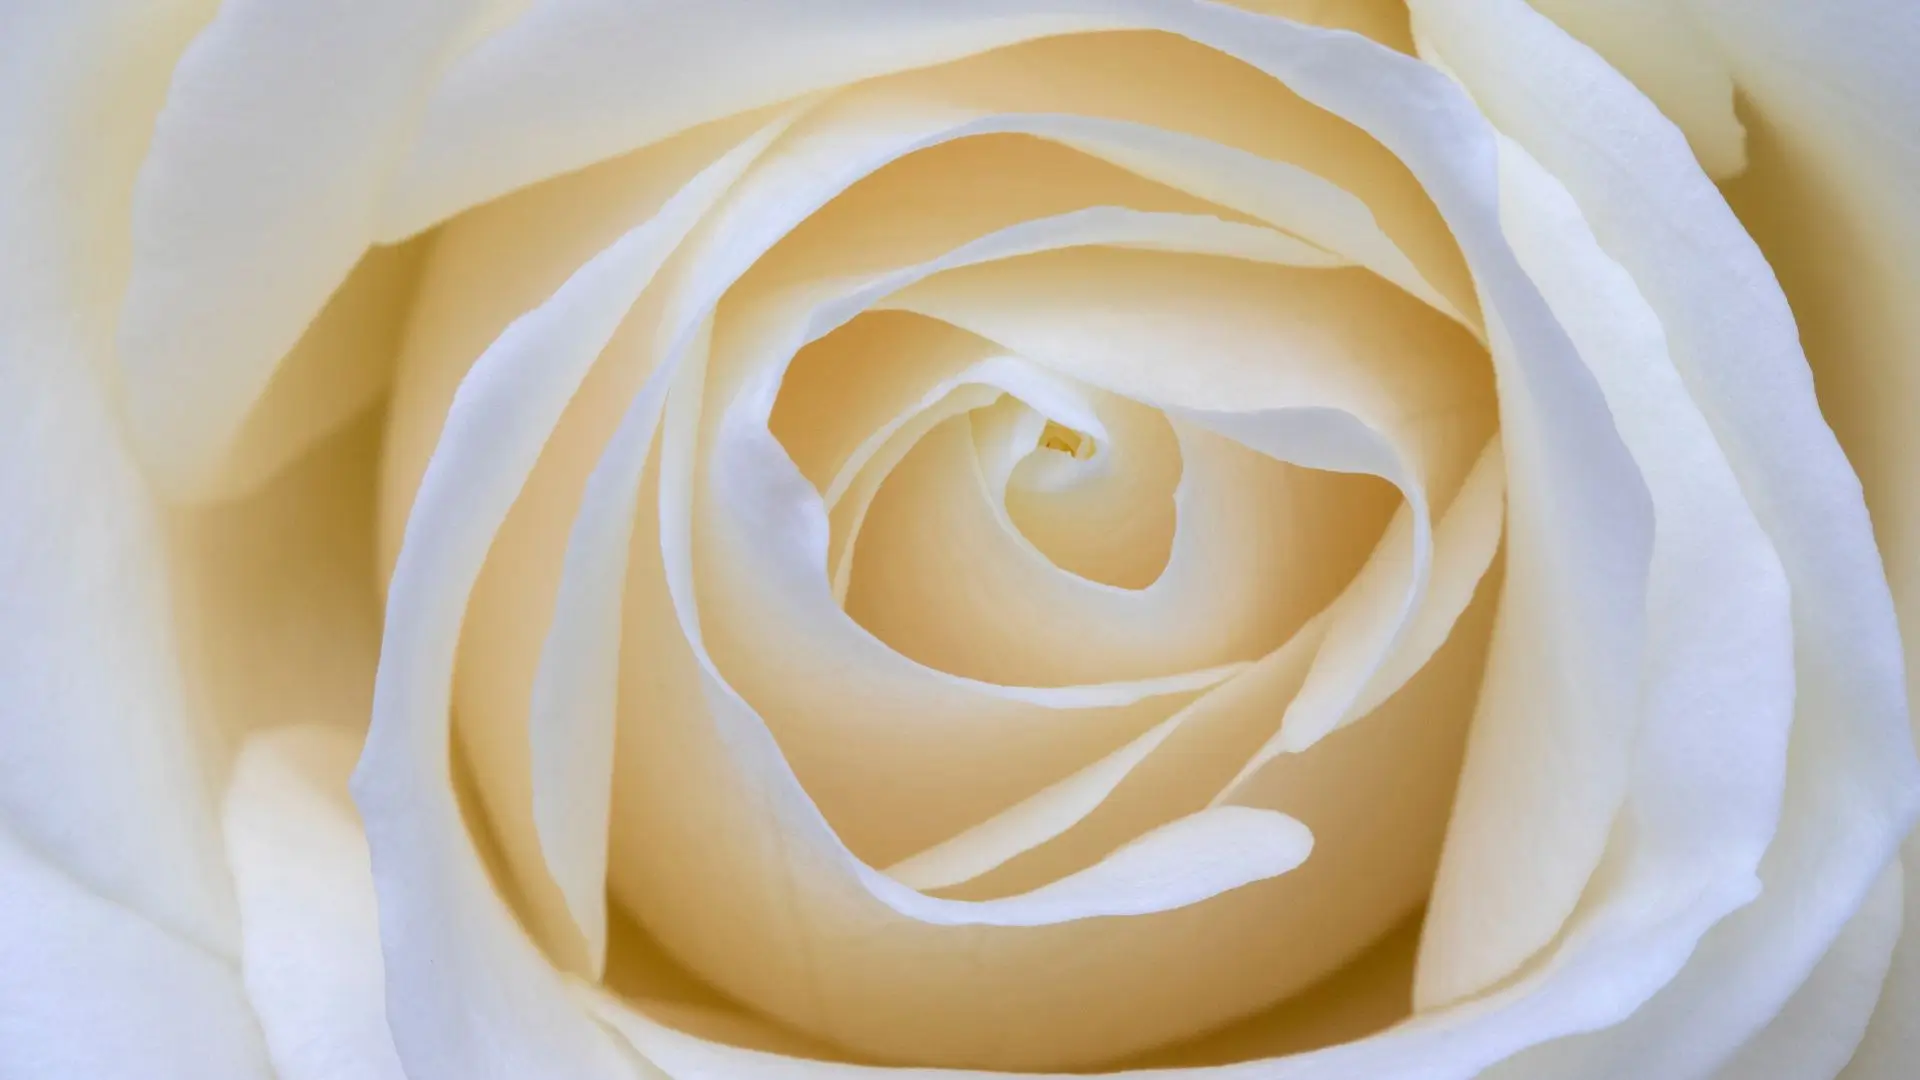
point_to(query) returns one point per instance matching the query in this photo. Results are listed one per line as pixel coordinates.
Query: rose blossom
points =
(850, 539)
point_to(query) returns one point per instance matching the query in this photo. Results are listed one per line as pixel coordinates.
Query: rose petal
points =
(262, 157)
(1670, 54)
(311, 953)
(1892, 1037)
(274, 593)
(90, 988)
(341, 366)
(538, 237)
(1817, 1031)
(1718, 633)
(103, 773)
(629, 75)
(439, 913)
(1853, 781)
(1288, 342)
(949, 579)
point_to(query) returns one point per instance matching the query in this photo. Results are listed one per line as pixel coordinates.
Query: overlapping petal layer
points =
(991, 560)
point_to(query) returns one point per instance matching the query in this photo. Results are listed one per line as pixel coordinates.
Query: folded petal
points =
(263, 157)
(310, 950)
(107, 766)
(438, 909)
(90, 988)
(1892, 1039)
(1816, 1033)
(1853, 783)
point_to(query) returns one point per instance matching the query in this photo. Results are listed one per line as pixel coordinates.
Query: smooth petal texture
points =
(1719, 654)
(1852, 781)
(105, 768)
(342, 366)
(1892, 1039)
(438, 907)
(310, 949)
(90, 988)
(274, 595)
(1816, 1033)
(690, 852)
(262, 157)
(1671, 54)
(464, 301)
(1613, 521)
(1832, 102)
(1609, 999)
(628, 75)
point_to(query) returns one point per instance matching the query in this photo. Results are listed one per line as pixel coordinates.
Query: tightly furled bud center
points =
(1064, 440)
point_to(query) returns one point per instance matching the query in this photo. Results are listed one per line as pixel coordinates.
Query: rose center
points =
(1065, 440)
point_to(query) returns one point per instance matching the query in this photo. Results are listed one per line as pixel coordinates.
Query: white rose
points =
(1032, 535)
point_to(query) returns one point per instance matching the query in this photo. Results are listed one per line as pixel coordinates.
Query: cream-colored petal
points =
(949, 579)
(278, 616)
(1211, 335)
(1816, 1033)
(311, 925)
(690, 750)
(740, 796)
(838, 736)
(1670, 55)
(1718, 633)
(109, 773)
(341, 367)
(1054, 810)
(1892, 1037)
(1852, 780)
(263, 157)
(440, 917)
(629, 75)
(1464, 543)
(484, 272)
(1011, 753)
(90, 988)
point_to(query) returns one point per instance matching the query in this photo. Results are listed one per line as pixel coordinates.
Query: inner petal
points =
(1101, 509)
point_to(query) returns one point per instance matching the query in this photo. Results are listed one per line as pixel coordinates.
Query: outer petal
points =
(1833, 98)
(1891, 1043)
(89, 988)
(283, 122)
(1852, 785)
(311, 952)
(1820, 1026)
(100, 768)
(442, 922)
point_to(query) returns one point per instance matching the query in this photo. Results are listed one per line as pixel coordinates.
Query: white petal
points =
(628, 75)
(1818, 1029)
(439, 913)
(311, 946)
(263, 157)
(1054, 810)
(1719, 644)
(103, 771)
(1892, 1039)
(485, 270)
(89, 988)
(1853, 783)
(1672, 57)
